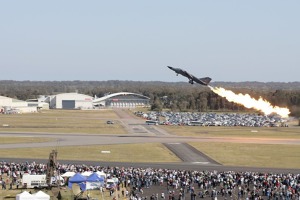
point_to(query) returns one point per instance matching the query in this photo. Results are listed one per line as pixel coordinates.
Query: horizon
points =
(195, 84)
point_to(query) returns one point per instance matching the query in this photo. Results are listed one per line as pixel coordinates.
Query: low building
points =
(14, 106)
(39, 103)
(10, 102)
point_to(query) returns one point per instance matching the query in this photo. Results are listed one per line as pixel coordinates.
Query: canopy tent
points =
(94, 181)
(24, 196)
(86, 173)
(68, 174)
(79, 179)
(95, 177)
(40, 195)
(101, 174)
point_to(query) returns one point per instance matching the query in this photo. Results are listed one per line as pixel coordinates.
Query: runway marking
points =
(202, 163)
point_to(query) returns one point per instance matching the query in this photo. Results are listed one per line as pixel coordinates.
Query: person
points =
(152, 197)
(17, 184)
(3, 185)
(111, 191)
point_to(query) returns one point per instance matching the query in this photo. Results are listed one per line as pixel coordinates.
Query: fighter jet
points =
(203, 81)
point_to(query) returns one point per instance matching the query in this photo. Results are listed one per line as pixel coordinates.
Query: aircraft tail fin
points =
(205, 80)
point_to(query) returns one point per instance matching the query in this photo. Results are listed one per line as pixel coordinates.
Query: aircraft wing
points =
(188, 75)
(202, 81)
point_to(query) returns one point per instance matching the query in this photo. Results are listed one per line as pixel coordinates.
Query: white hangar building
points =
(5, 101)
(10, 105)
(122, 99)
(10, 102)
(70, 101)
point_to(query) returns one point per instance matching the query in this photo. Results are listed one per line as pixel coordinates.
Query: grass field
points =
(258, 155)
(63, 121)
(241, 154)
(94, 121)
(118, 153)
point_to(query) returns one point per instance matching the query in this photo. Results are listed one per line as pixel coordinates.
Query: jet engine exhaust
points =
(249, 102)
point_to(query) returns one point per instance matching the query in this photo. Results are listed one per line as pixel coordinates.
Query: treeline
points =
(179, 96)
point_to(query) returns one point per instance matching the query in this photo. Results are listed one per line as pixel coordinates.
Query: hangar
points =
(5, 101)
(122, 99)
(70, 101)
(11, 105)
(10, 102)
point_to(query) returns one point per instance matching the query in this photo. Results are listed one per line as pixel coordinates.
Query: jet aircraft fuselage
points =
(203, 81)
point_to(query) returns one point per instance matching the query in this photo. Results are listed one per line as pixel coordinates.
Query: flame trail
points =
(249, 102)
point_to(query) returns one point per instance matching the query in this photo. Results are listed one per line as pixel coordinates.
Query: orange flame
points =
(249, 102)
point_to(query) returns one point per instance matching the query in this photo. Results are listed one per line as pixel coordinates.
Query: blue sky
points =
(135, 40)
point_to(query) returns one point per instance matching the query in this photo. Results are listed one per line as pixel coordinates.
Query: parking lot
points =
(213, 119)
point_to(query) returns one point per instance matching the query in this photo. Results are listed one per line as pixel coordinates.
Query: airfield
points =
(83, 137)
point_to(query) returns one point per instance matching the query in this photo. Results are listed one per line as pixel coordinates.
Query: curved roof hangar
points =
(122, 99)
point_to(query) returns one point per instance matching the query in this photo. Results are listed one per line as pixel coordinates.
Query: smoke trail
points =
(249, 102)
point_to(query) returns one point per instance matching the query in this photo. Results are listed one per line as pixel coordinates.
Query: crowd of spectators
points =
(213, 119)
(151, 183)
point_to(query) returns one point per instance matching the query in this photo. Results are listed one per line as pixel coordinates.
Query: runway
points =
(139, 132)
(92, 139)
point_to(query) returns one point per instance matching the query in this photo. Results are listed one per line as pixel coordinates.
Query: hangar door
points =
(68, 104)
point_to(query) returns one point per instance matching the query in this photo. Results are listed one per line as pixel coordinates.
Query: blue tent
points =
(94, 177)
(79, 179)
(94, 181)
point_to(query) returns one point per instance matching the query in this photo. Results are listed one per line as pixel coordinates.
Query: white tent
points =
(68, 174)
(24, 196)
(86, 173)
(40, 195)
(101, 174)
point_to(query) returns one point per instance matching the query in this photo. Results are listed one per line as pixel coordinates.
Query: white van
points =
(38, 181)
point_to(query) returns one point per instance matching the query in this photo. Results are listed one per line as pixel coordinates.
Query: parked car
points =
(109, 122)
